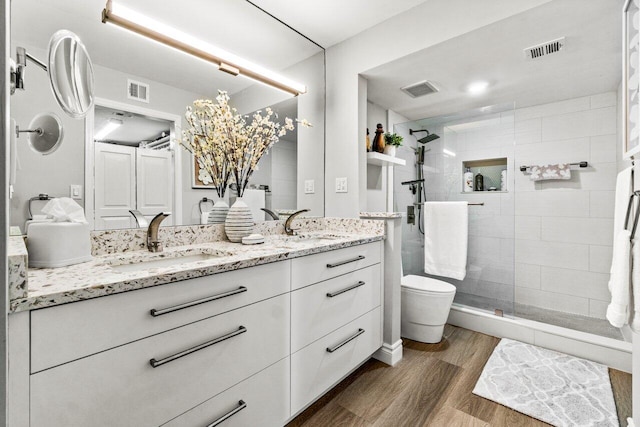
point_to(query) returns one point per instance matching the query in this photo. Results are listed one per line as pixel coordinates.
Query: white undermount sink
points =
(164, 260)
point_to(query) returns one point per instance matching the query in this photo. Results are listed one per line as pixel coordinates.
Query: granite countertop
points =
(380, 215)
(113, 273)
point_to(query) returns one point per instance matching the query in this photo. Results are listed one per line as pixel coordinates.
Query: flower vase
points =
(218, 213)
(390, 150)
(239, 222)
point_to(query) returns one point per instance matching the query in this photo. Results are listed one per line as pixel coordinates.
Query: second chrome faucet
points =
(287, 224)
(153, 243)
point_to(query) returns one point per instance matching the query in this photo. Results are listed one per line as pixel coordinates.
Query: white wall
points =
(53, 173)
(564, 229)
(311, 145)
(425, 25)
(376, 175)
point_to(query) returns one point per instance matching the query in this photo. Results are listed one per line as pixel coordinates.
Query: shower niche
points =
(492, 171)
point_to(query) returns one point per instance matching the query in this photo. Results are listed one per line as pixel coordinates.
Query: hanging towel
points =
(635, 285)
(547, 172)
(446, 226)
(623, 192)
(618, 310)
(619, 281)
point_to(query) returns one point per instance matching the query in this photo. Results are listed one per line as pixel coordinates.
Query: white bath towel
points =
(618, 310)
(446, 230)
(635, 285)
(623, 192)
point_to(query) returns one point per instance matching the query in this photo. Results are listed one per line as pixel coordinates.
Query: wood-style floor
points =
(431, 386)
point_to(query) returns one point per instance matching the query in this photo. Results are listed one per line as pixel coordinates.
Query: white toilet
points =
(425, 308)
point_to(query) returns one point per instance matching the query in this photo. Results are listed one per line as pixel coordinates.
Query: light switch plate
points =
(341, 185)
(75, 192)
(309, 186)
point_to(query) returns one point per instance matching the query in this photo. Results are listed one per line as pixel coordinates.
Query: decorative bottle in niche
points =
(468, 180)
(479, 182)
(378, 140)
(368, 141)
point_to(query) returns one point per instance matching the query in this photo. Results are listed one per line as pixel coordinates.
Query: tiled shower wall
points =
(564, 229)
(552, 240)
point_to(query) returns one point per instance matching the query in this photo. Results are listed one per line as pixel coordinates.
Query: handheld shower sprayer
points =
(430, 136)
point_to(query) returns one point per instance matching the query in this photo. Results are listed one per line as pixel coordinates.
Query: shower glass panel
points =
(482, 139)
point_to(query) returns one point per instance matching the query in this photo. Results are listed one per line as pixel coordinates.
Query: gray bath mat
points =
(553, 387)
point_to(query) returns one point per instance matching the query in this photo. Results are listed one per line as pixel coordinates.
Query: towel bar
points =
(581, 164)
(476, 204)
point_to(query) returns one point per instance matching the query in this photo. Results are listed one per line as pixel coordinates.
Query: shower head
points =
(430, 136)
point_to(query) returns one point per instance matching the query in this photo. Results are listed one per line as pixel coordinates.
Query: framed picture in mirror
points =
(199, 177)
(631, 78)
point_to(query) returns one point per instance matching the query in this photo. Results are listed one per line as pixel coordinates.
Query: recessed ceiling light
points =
(477, 88)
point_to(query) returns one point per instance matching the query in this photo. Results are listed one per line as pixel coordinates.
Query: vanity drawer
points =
(324, 307)
(316, 268)
(67, 332)
(265, 402)
(314, 369)
(120, 387)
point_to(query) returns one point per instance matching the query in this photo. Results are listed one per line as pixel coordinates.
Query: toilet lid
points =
(427, 284)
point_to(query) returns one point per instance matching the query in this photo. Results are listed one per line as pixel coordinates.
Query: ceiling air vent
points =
(420, 89)
(138, 91)
(544, 49)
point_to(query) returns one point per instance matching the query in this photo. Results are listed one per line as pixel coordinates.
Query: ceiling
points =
(236, 26)
(589, 64)
(329, 22)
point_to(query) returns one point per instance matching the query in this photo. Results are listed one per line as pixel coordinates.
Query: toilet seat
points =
(427, 285)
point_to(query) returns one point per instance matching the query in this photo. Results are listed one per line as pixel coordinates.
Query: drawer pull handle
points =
(338, 264)
(351, 338)
(240, 407)
(155, 312)
(155, 363)
(342, 291)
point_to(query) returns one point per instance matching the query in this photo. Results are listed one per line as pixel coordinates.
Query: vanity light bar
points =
(226, 61)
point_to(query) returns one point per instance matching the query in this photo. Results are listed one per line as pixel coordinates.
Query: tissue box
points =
(58, 244)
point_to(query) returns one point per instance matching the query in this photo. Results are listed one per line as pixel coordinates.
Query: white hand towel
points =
(618, 310)
(446, 229)
(635, 285)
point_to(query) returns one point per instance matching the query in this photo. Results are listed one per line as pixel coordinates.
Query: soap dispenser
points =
(468, 180)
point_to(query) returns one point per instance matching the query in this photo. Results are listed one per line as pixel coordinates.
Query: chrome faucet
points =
(287, 223)
(153, 244)
(271, 213)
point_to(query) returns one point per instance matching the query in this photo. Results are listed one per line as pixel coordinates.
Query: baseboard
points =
(389, 354)
(613, 353)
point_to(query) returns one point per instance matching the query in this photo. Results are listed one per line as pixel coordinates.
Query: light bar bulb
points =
(245, 67)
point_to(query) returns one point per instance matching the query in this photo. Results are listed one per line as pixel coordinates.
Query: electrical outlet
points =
(341, 185)
(309, 186)
(75, 192)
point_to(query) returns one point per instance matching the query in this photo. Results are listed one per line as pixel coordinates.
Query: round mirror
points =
(45, 133)
(71, 73)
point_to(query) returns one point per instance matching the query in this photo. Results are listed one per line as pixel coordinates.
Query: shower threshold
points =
(576, 322)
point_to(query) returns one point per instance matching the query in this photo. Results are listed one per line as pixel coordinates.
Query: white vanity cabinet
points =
(336, 323)
(248, 347)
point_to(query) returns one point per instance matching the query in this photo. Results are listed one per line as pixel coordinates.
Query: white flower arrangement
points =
(225, 146)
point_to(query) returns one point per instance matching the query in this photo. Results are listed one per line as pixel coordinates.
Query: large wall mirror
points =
(142, 89)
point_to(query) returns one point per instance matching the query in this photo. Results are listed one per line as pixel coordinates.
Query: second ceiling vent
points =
(545, 49)
(420, 89)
